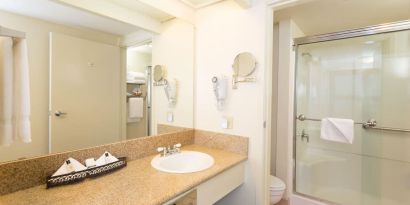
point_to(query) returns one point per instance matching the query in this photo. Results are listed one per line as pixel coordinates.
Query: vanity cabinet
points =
(214, 189)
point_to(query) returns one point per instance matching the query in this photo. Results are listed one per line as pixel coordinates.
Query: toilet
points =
(276, 188)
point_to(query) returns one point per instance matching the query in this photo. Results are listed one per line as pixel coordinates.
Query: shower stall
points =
(363, 75)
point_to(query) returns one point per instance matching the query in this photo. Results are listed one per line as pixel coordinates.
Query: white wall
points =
(37, 34)
(138, 61)
(174, 49)
(224, 30)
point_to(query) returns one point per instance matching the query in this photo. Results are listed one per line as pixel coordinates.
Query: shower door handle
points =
(58, 113)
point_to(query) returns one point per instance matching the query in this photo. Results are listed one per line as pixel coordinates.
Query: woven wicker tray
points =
(76, 177)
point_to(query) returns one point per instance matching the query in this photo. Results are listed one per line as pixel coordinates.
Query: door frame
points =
(124, 47)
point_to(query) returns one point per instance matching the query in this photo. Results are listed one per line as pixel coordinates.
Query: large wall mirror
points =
(91, 78)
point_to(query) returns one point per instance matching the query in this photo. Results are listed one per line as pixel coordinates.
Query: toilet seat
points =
(277, 189)
(276, 184)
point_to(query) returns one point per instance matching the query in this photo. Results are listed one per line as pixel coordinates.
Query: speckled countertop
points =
(138, 183)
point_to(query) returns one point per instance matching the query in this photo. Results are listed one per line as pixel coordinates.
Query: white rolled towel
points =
(133, 76)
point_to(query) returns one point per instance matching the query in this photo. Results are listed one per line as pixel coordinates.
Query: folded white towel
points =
(70, 165)
(106, 158)
(135, 109)
(337, 130)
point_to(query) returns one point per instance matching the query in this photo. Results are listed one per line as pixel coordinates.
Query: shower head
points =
(308, 57)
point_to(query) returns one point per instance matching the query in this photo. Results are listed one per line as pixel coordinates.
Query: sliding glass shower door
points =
(359, 78)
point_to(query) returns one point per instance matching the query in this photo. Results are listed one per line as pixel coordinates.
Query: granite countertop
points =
(137, 183)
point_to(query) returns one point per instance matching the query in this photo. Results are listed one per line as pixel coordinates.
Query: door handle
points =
(58, 113)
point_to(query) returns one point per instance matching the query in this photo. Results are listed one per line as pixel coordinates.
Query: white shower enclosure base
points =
(300, 200)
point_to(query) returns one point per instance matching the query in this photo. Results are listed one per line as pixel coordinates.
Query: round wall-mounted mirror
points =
(244, 64)
(158, 74)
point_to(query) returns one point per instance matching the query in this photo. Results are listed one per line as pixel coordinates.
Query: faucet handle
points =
(163, 151)
(177, 147)
(160, 149)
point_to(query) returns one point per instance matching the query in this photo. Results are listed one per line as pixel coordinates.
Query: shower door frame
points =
(353, 33)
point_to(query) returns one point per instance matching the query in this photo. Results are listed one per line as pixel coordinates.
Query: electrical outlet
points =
(226, 123)
(170, 117)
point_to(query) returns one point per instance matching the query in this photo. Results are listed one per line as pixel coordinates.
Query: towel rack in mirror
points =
(370, 124)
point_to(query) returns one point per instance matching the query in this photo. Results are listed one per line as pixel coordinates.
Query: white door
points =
(85, 108)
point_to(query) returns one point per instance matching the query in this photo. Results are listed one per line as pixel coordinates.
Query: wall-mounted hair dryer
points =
(170, 89)
(220, 89)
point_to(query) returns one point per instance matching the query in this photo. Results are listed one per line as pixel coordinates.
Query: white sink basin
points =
(184, 162)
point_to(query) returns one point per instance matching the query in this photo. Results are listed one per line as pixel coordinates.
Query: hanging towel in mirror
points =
(21, 92)
(6, 91)
(135, 109)
(14, 92)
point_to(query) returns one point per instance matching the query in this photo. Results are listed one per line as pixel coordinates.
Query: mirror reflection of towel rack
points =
(370, 124)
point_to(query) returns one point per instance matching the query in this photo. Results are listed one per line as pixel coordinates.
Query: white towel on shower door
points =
(337, 130)
(6, 91)
(21, 92)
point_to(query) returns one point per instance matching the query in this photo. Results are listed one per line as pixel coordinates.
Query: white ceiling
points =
(199, 3)
(324, 16)
(139, 7)
(61, 14)
(147, 49)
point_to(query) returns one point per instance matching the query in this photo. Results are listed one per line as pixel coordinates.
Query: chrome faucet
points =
(165, 151)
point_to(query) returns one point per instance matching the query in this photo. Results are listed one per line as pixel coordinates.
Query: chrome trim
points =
(149, 99)
(369, 124)
(302, 117)
(365, 31)
(386, 128)
(295, 106)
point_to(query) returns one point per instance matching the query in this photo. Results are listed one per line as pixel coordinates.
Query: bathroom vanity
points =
(140, 183)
